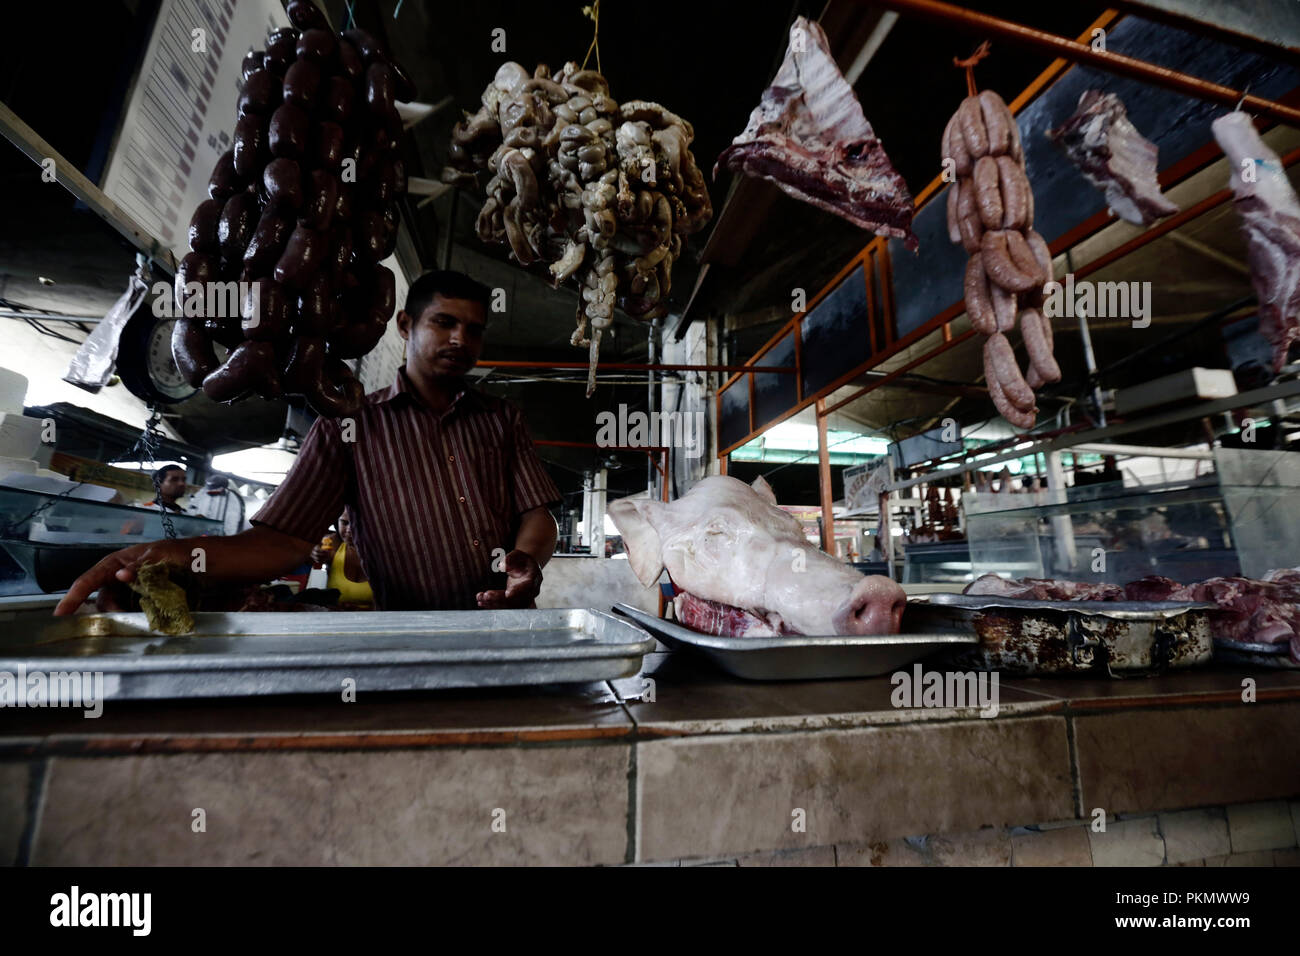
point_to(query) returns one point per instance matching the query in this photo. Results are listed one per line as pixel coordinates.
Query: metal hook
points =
(1244, 94)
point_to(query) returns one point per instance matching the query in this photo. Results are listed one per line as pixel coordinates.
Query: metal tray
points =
(1065, 637)
(799, 657)
(244, 654)
(1259, 655)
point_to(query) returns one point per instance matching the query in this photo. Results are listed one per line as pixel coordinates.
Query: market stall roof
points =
(1193, 264)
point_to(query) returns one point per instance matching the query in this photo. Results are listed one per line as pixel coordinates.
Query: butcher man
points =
(442, 484)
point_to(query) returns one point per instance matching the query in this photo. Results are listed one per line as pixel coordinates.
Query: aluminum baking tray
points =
(254, 653)
(799, 657)
(1063, 637)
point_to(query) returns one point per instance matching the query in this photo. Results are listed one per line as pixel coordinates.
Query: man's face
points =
(173, 484)
(446, 339)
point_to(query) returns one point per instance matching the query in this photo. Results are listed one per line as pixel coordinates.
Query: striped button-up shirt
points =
(431, 496)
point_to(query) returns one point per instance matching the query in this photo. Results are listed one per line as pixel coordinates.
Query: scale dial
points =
(145, 363)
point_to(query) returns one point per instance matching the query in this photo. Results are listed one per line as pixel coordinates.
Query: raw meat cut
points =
(1154, 587)
(727, 542)
(1114, 157)
(710, 617)
(1257, 612)
(808, 135)
(1271, 215)
(1044, 589)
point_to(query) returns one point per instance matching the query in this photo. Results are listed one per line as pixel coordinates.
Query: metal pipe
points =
(652, 341)
(984, 25)
(896, 373)
(1062, 526)
(41, 317)
(451, 232)
(639, 366)
(1089, 356)
(824, 479)
(74, 181)
(1149, 451)
(552, 443)
(1074, 439)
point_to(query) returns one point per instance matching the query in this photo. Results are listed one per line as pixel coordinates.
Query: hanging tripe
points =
(593, 189)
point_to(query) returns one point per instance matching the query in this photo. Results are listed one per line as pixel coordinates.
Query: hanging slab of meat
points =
(809, 136)
(1271, 216)
(1114, 157)
(728, 543)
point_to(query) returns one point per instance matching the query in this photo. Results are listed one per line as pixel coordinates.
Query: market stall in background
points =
(918, 381)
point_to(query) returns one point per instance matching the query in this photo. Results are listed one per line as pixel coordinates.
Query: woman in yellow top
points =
(345, 571)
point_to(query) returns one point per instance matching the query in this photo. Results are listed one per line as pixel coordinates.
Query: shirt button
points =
(476, 542)
(451, 457)
(462, 499)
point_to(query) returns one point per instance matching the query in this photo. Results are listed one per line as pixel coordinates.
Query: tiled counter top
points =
(593, 774)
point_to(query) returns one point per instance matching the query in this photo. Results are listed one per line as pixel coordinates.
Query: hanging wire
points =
(980, 53)
(593, 14)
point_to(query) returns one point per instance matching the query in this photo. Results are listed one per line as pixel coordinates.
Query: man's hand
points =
(111, 574)
(523, 584)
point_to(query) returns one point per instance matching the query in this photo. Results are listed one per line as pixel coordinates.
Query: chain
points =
(146, 448)
(13, 529)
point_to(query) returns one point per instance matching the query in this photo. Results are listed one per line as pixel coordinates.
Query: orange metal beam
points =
(824, 479)
(636, 367)
(874, 247)
(901, 370)
(1079, 51)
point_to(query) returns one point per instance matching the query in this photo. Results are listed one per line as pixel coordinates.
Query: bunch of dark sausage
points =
(991, 214)
(303, 207)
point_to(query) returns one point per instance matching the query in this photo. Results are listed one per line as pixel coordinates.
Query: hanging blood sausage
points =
(283, 218)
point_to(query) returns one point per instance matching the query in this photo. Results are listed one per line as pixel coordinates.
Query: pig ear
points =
(764, 490)
(635, 520)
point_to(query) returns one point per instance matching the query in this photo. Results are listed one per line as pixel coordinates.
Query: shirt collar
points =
(467, 397)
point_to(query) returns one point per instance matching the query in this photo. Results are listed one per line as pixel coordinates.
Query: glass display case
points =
(47, 540)
(937, 562)
(1262, 492)
(1104, 532)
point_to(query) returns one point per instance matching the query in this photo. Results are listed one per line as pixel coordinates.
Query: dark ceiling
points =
(67, 68)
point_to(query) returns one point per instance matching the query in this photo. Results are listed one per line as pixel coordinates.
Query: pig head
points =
(728, 542)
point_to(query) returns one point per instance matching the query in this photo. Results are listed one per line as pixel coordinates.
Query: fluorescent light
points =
(269, 463)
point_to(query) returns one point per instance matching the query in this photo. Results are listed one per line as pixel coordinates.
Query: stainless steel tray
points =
(799, 657)
(1259, 655)
(241, 654)
(1063, 637)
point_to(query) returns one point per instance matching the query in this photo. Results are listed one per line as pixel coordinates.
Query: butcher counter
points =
(679, 764)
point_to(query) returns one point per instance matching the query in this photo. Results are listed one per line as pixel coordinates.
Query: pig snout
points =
(874, 607)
